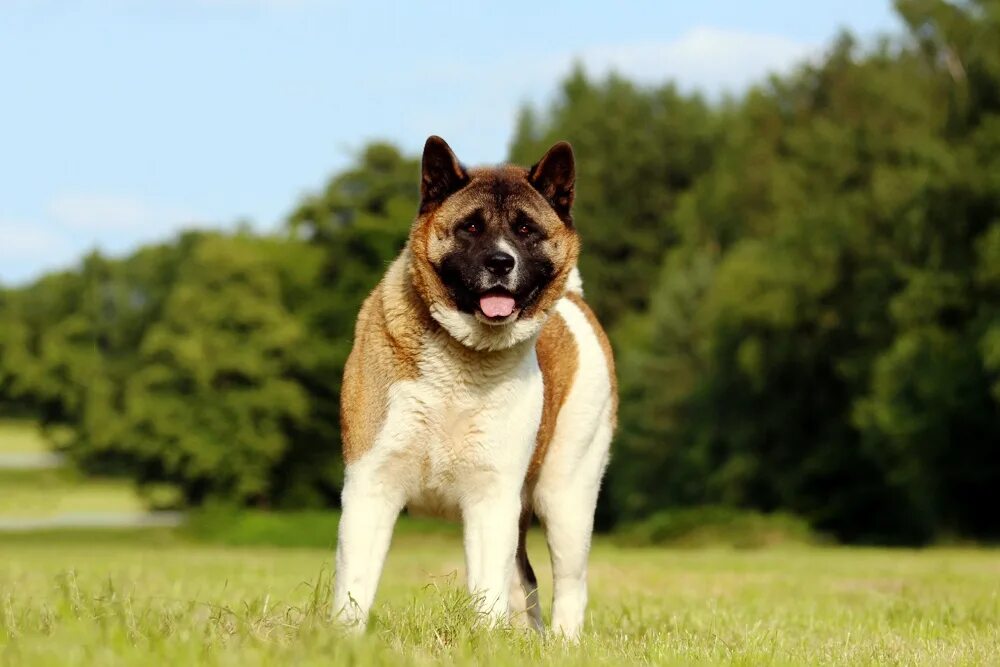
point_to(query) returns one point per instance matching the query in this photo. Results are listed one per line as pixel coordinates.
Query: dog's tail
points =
(529, 582)
(575, 283)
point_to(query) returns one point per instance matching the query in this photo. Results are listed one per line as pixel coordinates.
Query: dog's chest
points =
(462, 428)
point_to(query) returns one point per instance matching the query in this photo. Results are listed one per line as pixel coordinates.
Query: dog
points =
(480, 387)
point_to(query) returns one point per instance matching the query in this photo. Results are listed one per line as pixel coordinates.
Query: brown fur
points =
(387, 342)
(557, 358)
(609, 355)
(447, 379)
(394, 319)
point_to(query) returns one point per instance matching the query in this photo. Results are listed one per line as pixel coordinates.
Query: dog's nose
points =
(500, 263)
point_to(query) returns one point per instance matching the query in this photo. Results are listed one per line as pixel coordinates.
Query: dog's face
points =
(492, 248)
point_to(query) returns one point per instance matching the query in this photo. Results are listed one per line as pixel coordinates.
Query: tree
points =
(803, 287)
(358, 224)
(821, 327)
(637, 150)
(209, 405)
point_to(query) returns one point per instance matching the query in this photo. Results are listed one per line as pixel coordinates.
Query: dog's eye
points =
(472, 225)
(523, 226)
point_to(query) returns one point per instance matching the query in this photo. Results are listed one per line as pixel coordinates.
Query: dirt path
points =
(92, 520)
(30, 461)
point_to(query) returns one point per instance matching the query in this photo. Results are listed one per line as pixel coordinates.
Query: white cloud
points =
(24, 248)
(707, 58)
(100, 214)
(255, 3)
(74, 224)
(20, 239)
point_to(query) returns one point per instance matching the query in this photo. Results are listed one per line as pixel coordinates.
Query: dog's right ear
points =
(554, 176)
(441, 174)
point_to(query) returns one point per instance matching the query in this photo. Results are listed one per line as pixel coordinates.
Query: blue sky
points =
(122, 121)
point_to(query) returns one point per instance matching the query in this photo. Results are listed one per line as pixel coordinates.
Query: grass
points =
(304, 528)
(718, 526)
(157, 597)
(40, 493)
(21, 437)
(253, 588)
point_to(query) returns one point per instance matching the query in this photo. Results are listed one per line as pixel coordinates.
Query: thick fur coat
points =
(480, 387)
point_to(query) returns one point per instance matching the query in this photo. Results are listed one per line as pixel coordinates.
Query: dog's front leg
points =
(490, 542)
(369, 513)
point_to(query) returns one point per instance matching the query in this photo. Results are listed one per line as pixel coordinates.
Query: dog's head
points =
(492, 247)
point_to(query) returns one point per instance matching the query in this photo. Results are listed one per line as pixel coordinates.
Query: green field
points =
(49, 492)
(38, 493)
(21, 436)
(214, 592)
(158, 598)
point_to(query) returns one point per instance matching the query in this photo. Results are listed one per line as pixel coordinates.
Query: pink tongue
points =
(496, 305)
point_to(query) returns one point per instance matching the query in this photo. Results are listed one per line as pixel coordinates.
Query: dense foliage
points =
(802, 285)
(825, 327)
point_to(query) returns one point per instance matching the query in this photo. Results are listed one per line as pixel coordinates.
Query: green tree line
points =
(802, 286)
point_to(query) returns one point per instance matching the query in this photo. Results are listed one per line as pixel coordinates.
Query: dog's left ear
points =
(555, 176)
(441, 174)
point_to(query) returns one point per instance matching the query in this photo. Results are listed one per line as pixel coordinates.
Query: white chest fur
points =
(464, 428)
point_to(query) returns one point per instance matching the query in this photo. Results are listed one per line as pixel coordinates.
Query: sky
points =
(123, 121)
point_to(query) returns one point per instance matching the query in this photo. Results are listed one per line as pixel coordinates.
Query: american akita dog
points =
(480, 387)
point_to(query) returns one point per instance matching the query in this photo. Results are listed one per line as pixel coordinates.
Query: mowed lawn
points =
(21, 437)
(154, 598)
(30, 492)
